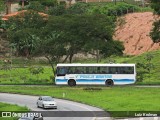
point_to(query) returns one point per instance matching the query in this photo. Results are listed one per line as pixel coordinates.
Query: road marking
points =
(141, 119)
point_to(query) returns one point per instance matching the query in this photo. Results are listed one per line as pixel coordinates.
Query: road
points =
(63, 105)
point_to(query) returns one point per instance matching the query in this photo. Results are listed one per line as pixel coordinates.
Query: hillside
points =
(133, 30)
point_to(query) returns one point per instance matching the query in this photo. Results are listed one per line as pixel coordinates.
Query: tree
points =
(41, 5)
(84, 33)
(155, 32)
(78, 8)
(25, 41)
(49, 3)
(99, 41)
(36, 6)
(69, 29)
(57, 10)
(23, 31)
(155, 5)
(51, 46)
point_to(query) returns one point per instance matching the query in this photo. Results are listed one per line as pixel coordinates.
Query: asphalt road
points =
(63, 105)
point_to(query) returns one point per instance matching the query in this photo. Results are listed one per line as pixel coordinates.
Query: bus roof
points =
(79, 64)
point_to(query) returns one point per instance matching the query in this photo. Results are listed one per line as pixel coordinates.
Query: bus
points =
(95, 74)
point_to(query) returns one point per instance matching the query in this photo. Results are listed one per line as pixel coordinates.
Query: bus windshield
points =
(61, 71)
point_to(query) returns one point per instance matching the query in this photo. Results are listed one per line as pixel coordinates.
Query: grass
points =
(22, 75)
(124, 98)
(154, 76)
(9, 107)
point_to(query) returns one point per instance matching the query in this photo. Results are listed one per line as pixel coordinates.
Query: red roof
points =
(6, 17)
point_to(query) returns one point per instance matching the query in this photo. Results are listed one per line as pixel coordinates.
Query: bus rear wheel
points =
(109, 83)
(72, 82)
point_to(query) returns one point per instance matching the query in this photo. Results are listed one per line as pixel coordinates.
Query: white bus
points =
(95, 74)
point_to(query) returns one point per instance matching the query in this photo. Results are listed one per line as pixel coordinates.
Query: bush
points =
(112, 9)
(57, 10)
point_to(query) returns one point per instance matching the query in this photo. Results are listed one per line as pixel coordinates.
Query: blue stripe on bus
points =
(61, 80)
(90, 80)
(124, 80)
(96, 80)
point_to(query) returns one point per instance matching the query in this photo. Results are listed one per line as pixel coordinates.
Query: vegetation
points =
(155, 33)
(24, 76)
(87, 33)
(2, 5)
(110, 99)
(87, 28)
(52, 39)
(22, 32)
(155, 5)
(150, 67)
(9, 107)
(110, 8)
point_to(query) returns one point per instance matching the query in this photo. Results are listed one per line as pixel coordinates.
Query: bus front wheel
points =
(72, 82)
(109, 83)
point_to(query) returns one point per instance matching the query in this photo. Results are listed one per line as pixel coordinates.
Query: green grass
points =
(110, 99)
(23, 76)
(154, 76)
(9, 107)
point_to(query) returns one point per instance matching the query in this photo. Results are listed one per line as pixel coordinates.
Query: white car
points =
(31, 118)
(46, 102)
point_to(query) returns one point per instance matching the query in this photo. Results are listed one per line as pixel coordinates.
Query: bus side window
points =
(112, 70)
(77, 70)
(98, 70)
(93, 71)
(88, 70)
(70, 70)
(81, 70)
(130, 70)
(103, 70)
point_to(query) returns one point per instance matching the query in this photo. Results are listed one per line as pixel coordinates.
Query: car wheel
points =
(43, 106)
(37, 105)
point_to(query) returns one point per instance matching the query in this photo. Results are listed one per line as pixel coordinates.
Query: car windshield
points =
(47, 99)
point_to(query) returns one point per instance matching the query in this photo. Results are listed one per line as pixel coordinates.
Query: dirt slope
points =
(134, 31)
